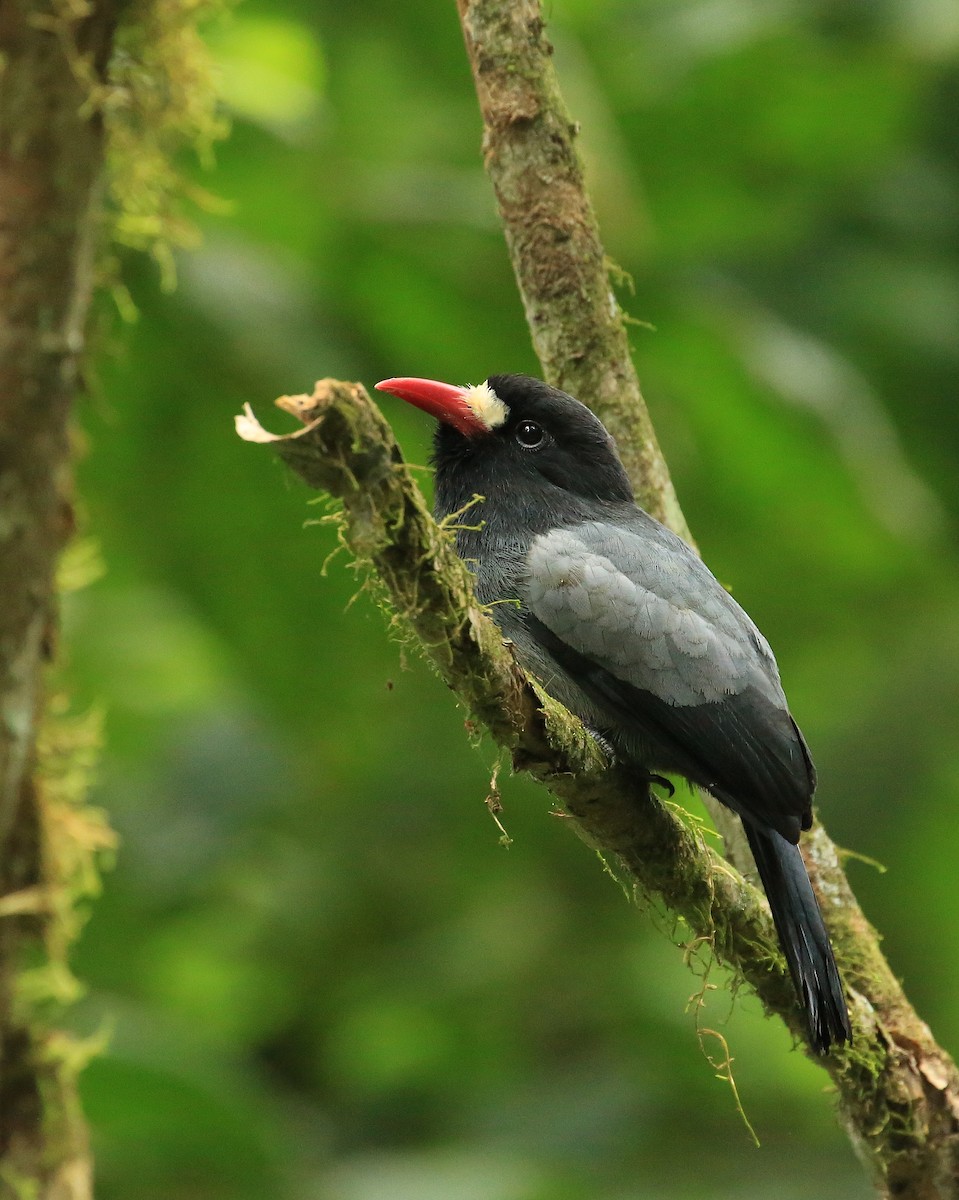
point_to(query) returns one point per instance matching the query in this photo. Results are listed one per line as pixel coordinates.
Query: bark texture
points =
(51, 162)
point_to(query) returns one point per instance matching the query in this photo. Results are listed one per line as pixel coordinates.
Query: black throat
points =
(496, 513)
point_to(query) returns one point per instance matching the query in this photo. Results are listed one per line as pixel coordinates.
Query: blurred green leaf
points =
(271, 72)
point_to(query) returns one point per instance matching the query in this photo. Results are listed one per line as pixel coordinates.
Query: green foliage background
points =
(323, 976)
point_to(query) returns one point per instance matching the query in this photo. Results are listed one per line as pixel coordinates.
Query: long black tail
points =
(803, 937)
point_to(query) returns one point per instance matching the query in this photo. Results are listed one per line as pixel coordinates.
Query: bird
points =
(621, 622)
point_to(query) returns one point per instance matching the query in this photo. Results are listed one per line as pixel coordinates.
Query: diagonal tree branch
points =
(347, 449)
(898, 1091)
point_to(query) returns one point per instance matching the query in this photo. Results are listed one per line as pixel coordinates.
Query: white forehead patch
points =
(486, 405)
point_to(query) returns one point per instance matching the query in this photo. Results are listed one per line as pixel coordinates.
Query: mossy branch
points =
(899, 1092)
(347, 449)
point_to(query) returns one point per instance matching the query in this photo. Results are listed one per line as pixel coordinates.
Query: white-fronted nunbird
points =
(623, 624)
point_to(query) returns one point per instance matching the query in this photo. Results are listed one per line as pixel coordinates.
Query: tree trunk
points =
(51, 171)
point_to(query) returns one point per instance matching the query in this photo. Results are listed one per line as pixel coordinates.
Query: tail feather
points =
(803, 937)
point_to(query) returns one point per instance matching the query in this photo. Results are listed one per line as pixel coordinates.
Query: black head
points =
(517, 436)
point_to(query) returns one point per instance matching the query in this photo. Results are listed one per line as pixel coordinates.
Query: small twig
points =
(494, 803)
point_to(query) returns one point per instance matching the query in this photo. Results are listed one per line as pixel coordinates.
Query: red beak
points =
(441, 400)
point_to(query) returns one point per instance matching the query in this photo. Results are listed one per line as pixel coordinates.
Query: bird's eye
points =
(530, 435)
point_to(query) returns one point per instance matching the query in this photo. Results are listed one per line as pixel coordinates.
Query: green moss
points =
(77, 838)
(160, 100)
(73, 841)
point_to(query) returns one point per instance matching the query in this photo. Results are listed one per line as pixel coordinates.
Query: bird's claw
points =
(663, 782)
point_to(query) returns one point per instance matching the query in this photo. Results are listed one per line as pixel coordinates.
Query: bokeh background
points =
(322, 976)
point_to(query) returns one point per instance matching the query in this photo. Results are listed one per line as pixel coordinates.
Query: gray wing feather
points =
(597, 587)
